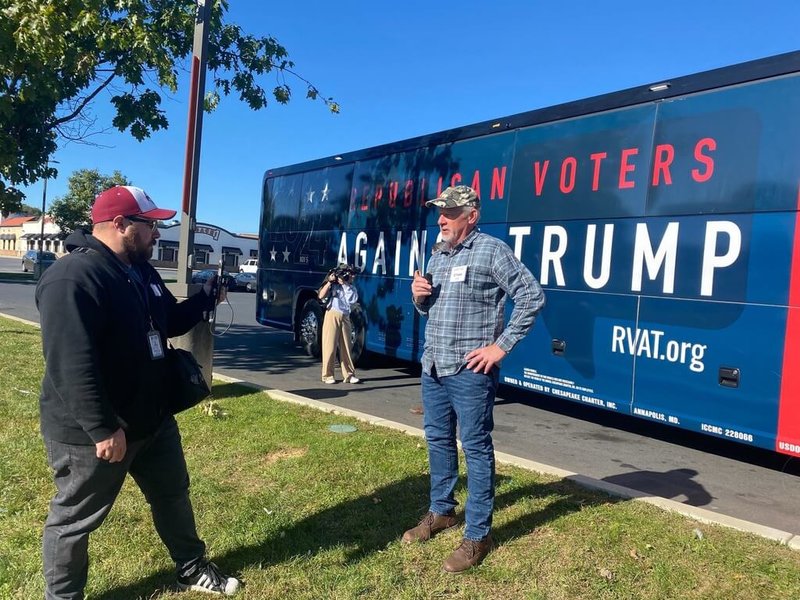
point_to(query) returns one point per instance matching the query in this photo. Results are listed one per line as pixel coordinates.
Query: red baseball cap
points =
(127, 201)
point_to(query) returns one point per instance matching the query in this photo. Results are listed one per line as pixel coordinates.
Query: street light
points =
(37, 268)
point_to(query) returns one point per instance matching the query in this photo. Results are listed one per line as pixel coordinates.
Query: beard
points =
(136, 248)
(443, 246)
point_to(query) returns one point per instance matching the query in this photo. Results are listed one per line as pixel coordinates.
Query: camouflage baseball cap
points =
(459, 195)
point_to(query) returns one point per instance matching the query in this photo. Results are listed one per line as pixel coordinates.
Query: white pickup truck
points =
(249, 266)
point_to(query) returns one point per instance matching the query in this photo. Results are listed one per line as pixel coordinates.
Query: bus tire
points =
(310, 328)
(358, 334)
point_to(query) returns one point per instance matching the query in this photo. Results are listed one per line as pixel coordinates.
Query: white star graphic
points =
(310, 195)
(325, 191)
(286, 254)
(272, 254)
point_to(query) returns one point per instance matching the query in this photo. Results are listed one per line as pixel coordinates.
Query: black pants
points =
(87, 488)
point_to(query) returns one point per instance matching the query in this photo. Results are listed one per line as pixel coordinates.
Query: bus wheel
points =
(358, 325)
(311, 328)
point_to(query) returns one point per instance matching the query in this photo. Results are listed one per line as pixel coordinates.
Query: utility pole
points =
(199, 340)
(37, 268)
(194, 137)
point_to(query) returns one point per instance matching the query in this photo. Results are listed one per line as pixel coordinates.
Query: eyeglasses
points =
(153, 224)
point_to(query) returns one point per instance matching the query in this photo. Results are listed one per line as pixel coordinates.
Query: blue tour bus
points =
(662, 222)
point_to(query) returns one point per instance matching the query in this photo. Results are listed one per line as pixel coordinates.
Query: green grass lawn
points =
(297, 511)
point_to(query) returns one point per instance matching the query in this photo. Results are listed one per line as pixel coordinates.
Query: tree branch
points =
(83, 103)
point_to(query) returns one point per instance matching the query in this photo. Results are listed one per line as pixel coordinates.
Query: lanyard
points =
(141, 291)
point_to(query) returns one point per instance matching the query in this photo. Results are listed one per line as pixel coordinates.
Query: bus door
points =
(281, 210)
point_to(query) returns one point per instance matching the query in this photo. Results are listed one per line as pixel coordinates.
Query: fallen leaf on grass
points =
(606, 574)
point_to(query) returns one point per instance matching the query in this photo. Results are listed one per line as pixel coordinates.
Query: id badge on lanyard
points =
(154, 343)
(153, 337)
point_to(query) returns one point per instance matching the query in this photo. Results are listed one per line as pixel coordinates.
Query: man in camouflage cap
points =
(458, 195)
(463, 295)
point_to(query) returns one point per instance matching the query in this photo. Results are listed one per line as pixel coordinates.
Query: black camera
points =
(342, 271)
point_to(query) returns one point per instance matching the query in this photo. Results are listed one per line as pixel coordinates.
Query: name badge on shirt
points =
(154, 342)
(458, 274)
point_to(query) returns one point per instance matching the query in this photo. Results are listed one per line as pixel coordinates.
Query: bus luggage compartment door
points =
(568, 353)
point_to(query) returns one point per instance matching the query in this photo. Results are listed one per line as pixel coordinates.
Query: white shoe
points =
(209, 579)
(328, 380)
(352, 379)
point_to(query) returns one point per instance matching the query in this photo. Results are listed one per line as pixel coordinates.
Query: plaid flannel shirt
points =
(469, 314)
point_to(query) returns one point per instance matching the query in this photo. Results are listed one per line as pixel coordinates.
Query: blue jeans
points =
(466, 399)
(86, 490)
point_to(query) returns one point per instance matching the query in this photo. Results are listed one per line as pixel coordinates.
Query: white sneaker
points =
(208, 578)
(352, 379)
(328, 380)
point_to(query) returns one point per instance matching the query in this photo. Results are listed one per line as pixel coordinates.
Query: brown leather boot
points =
(429, 525)
(468, 554)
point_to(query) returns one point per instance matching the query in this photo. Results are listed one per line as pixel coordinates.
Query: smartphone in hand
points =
(219, 283)
(216, 293)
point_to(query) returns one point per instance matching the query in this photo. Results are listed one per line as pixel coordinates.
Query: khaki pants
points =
(336, 331)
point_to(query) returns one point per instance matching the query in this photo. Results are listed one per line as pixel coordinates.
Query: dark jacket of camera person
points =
(338, 295)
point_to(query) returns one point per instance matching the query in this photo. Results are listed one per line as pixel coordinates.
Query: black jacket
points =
(99, 375)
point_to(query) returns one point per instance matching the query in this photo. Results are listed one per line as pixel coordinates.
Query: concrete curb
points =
(698, 514)
(20, 320)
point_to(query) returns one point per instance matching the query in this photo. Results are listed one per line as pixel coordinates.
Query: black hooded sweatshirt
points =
(99, 374)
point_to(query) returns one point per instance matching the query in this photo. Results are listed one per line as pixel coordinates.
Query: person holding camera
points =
(338, 295)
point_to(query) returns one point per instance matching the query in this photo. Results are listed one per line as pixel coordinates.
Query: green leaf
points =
(57, 57)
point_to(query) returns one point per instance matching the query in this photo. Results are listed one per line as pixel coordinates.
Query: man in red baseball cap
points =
(104, 407)
(135, 206)
(128, 201)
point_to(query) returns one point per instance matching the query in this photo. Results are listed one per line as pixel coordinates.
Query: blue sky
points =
(410, 68)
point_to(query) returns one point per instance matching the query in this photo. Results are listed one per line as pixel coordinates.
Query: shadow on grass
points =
(34, 333)
(370, 523)
(221, 391)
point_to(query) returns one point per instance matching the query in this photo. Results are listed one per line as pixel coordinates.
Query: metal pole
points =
(199, 340)
(37, 269)
(193, 139)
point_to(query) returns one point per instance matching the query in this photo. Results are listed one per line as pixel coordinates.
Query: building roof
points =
(16, 221)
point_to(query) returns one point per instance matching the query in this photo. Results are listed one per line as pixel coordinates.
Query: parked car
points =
(249, 266)
(244, 282)
(206, 274)
(31, 257)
